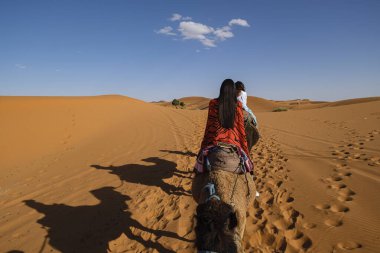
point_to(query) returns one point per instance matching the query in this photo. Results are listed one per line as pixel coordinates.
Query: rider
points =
(242, 97)
(225, 124)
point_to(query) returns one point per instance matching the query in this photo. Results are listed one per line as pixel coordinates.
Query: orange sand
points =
(113, 174)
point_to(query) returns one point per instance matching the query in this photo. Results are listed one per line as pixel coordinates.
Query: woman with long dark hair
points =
(225, 127)
(221, 185)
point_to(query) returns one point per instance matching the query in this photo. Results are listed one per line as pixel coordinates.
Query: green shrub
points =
(175, 102)
(181, 103)
(280, 109)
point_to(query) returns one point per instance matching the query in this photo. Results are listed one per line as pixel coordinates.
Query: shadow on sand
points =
(177, 152)
(90, 228)
(151, 175)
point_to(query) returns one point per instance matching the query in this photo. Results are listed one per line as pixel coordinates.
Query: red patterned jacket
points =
(215, 133)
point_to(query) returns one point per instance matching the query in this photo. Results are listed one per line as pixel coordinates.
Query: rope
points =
(236, 178)
(246, 180)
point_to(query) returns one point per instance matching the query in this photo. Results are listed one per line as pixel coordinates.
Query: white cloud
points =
(20, 66)
(238, 21)
(208, 42)
(224, 33)
(176, 17)
(207, 35)
(168, 30)
(196, 31)
(192, 30)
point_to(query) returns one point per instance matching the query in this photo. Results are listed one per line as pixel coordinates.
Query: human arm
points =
(243, 99)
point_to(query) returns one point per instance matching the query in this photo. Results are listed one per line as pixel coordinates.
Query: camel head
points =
(216, 228)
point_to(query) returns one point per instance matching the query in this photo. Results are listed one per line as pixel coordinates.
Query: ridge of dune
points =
(106, 96)
(258, 104)
(304, 104)
(199, 103)
(354, 101)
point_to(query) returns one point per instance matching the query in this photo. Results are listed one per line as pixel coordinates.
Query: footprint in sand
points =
(344, 198)
(302, 244)
(335, 178)
(346, 192)
(344, 174)
(333, 222)
(309, 225)
(322, 206)
(339, 208)
(281, 224)
(349, 245)
(337, 186)
(293, 234)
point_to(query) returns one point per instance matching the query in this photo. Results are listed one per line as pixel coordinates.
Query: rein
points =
(236, 178)
(210, 188)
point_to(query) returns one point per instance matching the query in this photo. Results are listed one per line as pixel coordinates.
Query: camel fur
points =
(221, 224)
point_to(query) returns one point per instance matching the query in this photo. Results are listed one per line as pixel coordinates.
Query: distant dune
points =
(201, 103)
(258, 104)
(113, 174)
(354, 101)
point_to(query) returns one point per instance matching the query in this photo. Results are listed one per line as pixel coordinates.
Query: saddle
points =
(225, 156)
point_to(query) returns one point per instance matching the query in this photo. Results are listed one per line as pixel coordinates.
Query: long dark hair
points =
(227, 103)
(240, 86)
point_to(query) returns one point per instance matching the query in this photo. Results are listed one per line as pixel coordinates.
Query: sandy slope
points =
(111, 173)
(333, 161)
(92, 173)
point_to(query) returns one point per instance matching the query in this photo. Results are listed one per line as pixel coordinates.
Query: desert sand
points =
(113, 174)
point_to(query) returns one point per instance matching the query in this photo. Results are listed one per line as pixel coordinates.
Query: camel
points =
(251, 130)
(221, 219)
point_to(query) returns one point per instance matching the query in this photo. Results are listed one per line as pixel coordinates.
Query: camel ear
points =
(232, 221)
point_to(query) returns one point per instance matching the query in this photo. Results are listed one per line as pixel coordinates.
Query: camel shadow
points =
(89, 229)
(151, 175)
(187, 153)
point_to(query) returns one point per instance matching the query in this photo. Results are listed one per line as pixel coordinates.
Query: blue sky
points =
(322, 50)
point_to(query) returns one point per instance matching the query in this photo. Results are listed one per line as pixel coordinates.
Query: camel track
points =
(173, 211)
(273, 224)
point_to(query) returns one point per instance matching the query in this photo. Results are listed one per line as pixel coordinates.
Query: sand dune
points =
(113, 174)
(258, 104)
(201, 103)
(198, 103)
